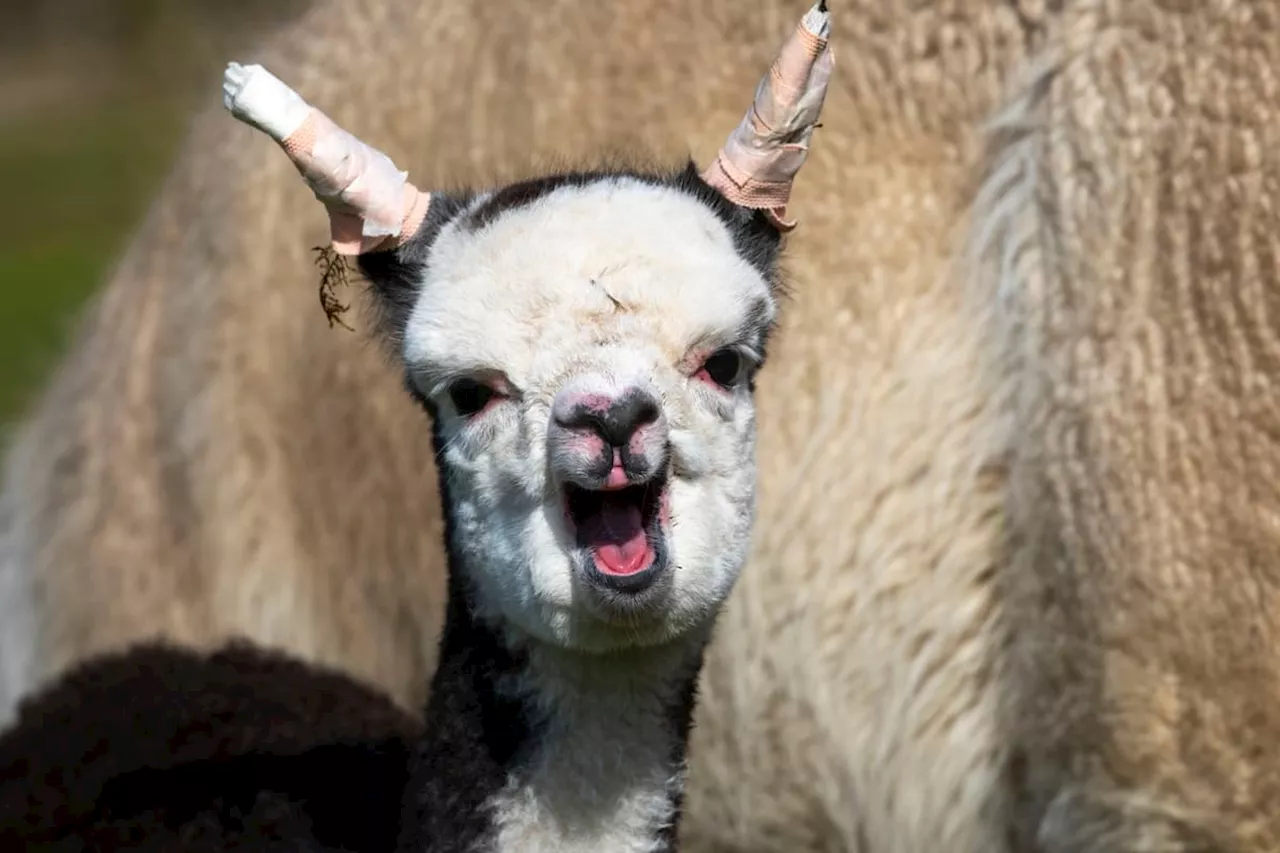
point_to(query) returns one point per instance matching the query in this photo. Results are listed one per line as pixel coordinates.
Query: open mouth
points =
(620, 529)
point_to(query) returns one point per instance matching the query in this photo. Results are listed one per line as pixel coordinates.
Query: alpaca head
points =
(587, 345)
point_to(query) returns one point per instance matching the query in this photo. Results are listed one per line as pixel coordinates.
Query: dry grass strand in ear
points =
(333, 274)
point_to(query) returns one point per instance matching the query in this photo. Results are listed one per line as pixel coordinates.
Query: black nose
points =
(617, 423)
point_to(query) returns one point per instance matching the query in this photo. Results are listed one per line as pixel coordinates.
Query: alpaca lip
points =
(619, 531)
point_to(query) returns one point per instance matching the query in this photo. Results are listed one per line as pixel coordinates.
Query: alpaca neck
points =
(529, 748)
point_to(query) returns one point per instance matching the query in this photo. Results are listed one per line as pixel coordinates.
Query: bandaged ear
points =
(372, 206)
(758, 163)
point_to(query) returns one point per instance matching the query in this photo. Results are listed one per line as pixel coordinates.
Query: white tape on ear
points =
(818, 21)
(760, 159)
(363, 178)
(370, 201)
(257, 97)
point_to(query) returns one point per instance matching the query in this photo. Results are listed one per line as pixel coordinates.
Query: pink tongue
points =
(616, 536)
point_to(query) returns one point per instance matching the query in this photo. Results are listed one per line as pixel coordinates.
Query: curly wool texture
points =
(1131, 196)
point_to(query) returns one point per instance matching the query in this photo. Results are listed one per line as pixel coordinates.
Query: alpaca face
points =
(588, 350)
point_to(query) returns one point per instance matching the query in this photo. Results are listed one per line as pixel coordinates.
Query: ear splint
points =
(373, 207)
(758, 164)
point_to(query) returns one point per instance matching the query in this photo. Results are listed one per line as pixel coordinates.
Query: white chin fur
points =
(530, 581)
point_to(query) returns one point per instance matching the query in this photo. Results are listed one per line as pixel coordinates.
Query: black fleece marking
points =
(524, 193)
(757, 325)
(472, 737)
(471, 734)
(680, 718)
(396, 275)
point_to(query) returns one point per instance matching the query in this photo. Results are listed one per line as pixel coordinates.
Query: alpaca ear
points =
(758, 163)
(371, 204)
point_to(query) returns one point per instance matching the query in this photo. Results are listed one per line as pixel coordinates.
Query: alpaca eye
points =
(724, 368)
(470, 397)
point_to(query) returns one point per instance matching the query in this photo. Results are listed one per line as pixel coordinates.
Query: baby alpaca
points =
(586, 345)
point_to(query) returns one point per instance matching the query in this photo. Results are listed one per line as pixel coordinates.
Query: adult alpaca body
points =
(1126, 228)
(586, 345)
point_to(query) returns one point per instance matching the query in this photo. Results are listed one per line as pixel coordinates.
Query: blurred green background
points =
(94, 97)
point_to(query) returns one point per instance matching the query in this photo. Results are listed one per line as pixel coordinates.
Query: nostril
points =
(578, 419)
(646, 411)
(617, 421)
(621, 420)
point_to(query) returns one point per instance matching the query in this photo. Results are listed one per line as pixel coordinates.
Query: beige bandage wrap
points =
(758, 163)
(372, 206)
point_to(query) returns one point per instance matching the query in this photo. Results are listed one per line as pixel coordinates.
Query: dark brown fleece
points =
(159, 748)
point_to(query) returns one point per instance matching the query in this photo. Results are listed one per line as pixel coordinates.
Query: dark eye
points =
(724, 368)
(470, 397)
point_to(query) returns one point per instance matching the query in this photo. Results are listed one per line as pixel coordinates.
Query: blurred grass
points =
(93, 101)
(80, 183)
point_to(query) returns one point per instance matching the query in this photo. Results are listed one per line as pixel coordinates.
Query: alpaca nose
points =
(615, 420)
